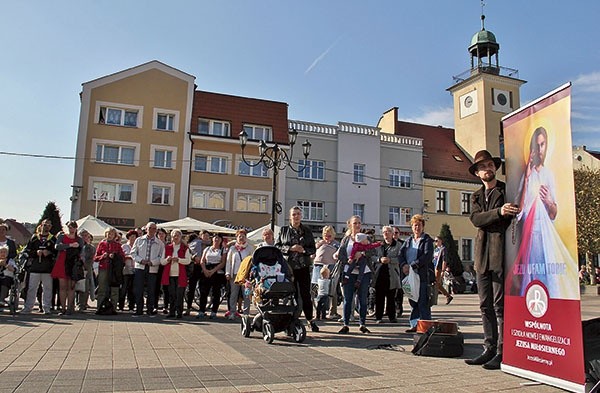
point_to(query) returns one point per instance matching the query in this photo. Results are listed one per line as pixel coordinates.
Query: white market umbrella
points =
(189, 224)
(256, 235)
(94, 226)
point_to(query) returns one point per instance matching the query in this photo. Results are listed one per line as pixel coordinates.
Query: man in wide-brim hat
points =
(491, 215)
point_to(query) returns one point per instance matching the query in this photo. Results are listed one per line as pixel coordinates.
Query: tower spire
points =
(482, 16)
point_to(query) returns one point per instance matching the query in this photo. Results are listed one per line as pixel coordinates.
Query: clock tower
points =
(483, 95)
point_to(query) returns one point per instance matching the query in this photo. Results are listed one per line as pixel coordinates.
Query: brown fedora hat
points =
(484, 155)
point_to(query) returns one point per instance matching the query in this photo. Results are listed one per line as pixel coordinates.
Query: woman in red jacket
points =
(107, 252)
(177, 257)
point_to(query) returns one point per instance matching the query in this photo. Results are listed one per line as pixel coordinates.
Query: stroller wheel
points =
(246, 328)
(299, 332)
(268, 334)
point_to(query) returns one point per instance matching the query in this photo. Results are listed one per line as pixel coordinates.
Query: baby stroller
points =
(273, 297)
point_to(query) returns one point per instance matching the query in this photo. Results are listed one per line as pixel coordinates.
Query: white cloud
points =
(589, 83)
(436, 117)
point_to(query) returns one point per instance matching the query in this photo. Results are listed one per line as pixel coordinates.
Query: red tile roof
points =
(442, 157)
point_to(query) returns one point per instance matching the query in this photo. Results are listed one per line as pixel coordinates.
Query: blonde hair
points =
(349, 226)
(328, 229)
(109, 230)
(324, 271)
(4, 248)
(417, 217)
(174, 231)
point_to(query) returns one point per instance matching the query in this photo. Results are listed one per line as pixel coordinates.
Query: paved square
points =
(89, 353)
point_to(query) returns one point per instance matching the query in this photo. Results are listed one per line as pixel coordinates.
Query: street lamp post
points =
(276, 158)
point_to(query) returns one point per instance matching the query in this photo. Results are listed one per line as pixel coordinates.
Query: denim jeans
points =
(363, 293)
(420, 309)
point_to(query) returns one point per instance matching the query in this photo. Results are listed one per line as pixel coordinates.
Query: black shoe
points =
(179, 316)
(313, 326)
(485, 357)
(494, 364)
(344, 330)
(170, 316)
(449, 299)
(411, 330)
(393, 320)
(187, 312)
(364, 329)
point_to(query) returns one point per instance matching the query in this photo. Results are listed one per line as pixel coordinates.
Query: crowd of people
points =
(133, 271)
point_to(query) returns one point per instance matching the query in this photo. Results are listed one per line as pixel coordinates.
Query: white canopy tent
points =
(256, 235)
(94, 226)
(189, 224)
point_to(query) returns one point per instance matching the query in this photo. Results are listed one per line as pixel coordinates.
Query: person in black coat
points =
(491, 215)
(297, 244)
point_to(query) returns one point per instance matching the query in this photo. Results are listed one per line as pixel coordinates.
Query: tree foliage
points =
(52, 213)
(587, 205)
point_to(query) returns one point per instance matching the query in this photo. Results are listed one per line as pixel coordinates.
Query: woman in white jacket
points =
(237, 252)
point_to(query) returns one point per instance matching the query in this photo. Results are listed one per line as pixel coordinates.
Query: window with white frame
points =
(358, 209)
(359, 173)
(399, 178)
(259, 170)
(163, 159)
(467, 249)
(208, 199)
(259, 133)
(116, 192)
(213, 127)
(399, 215)
(112, 154)
(465, 202)
(208, 163)
(313, 169)
(251, 203)
(312, 210)
(442, 201)
(165, 119)
(118, 116)
(161, 194)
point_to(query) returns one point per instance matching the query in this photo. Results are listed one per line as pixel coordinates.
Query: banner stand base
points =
(545, 379)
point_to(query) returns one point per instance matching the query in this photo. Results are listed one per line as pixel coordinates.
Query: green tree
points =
(52, 213)
(587, 205)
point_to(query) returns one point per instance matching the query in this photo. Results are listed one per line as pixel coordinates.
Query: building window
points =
(399, 215)
(214, 200)
(442, 201)
(314, 170)
(399, 178)
(115, 192)
(212, 164)
(118, 116)
(312, 210)
(165, 122)
(465, 202)
(259, 170)
(358, 209)
(259, 133)
(115, 154)
(251, 203)
(467, 249)
(161, 195)
(359, 173)
(213, 127)
(163, 159)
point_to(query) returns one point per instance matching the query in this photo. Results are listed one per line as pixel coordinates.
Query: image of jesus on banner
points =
(542, 255)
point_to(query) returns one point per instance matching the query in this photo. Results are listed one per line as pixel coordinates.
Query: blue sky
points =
(335, 60)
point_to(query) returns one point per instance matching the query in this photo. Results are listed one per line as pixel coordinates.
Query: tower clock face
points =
(468, 104)
(502, 100)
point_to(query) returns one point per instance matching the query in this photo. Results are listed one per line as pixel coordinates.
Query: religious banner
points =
(542, 317)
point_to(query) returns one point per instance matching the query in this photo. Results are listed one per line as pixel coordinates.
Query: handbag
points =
(80, 285)
(432, 294)
(77, 271)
